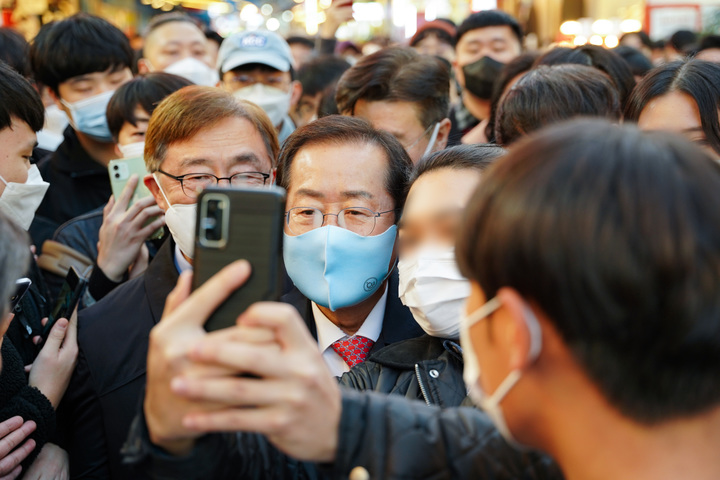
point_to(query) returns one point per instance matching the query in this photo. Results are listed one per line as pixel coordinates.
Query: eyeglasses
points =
(193, 183)
(359, 220)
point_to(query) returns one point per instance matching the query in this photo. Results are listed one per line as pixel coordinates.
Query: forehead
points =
(438, 191)
(395, 117)
(333, 167)
(674, 111)
(175, 32)
(18, 134)
(222, 142)
(487, 35)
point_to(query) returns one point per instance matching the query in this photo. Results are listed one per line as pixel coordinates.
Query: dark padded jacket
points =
(389, 436)
(424, 368)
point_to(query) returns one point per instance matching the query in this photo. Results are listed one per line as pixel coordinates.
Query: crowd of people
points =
(499, 263)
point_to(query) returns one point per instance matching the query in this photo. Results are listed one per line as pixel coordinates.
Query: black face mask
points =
(480, 76)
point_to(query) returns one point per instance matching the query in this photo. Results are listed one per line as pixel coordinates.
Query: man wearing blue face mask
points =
(346, 188)
(82, 60)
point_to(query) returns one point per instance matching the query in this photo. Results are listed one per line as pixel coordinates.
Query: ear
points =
(144, 66)
(56, 99)
(459, 75)
(517, 334)
(443, 134)
(152, 185)
(297, 90)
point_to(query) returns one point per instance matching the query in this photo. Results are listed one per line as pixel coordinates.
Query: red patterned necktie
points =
(353, 350)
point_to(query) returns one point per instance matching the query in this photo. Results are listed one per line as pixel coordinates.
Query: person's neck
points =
(592, 441)
(479, 107)
(350, 319)
(101, 152)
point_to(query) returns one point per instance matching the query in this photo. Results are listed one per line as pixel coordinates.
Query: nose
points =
(330, 219)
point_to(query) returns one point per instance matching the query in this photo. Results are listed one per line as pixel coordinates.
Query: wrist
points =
(112, 272)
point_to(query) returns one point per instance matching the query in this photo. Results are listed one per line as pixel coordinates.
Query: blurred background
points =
(378, 22)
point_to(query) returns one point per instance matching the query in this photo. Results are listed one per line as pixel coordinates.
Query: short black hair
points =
(551, 94)
(145, 91)
(337, 129)
(697, 78)
(14, 258)
(247, 67)
(489, 18)
(398, 74)
(518, 65)
(644, 38)
(639, 64)
(170, 17)
(19, 100)
(682, 40)
(320, 73)
(78, 45)
(708, 42)
(614, 234)
(301, 41)
(15, 51)
(214, 36)
(604, 60)
(460, 157)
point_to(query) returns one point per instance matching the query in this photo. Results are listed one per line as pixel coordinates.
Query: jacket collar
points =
(160, 278)
(72, 158)
(398, 323)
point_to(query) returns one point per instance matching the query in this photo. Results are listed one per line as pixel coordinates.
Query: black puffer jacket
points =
(18, 398)
(424, 368)
(389, 436)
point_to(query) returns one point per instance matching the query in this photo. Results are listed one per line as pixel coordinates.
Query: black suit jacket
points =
(398, 322)
(107, 386)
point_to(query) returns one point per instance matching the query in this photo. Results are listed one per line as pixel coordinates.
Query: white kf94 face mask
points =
(180, 219)
(434, 290)
(20, 200)
(490, 403)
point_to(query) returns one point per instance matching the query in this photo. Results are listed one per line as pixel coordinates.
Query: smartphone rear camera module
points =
(214, 217)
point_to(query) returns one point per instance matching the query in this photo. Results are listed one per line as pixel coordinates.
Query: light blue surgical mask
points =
(337, 268)
(88, 116)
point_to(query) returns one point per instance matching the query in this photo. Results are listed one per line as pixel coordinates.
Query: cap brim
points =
(243, 58)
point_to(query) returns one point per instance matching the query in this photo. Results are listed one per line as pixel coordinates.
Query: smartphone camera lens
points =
(117, 175)
(212, 225)
(116, 167)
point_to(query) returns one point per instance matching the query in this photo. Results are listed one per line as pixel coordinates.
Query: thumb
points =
(195, 309)
(56, 335)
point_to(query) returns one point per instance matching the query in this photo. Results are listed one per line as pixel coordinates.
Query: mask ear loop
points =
(433, 137)
(161, 189)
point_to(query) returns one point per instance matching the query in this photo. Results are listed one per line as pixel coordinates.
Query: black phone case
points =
(254, 233)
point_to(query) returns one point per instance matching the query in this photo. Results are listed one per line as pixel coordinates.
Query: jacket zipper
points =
(422, 385)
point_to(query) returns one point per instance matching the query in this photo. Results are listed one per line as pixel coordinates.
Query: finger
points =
(108, 206)
(260, 360)
(9, 442)
(28, 368)
(206, 299)
(241, 333)
(10, 425)
(152, 227)
(144, 215)
(71, 334)
(260, 420)
(138, 207)
(13, 475)
(56, 335)
(233, 391)
(290, 330)
(10, 462)
(44, 321)
(127, 193)
(178, 294)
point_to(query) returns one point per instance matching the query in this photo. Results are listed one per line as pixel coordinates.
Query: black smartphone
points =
(21, 287)
(70, 294)
(233, 224)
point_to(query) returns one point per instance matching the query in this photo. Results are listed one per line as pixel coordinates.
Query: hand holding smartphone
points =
(235, 224)
(70, 294)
